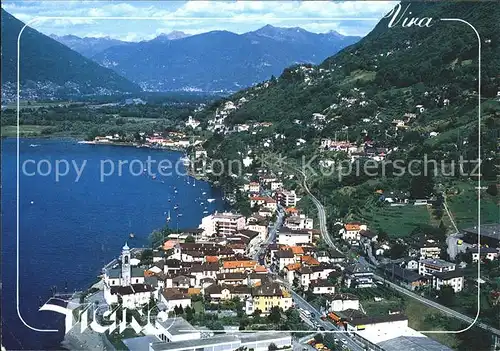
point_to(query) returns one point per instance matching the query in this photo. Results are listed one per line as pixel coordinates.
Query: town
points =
(236, 280)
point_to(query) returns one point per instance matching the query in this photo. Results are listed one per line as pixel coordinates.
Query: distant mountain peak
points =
(335, 34)
(174, 35)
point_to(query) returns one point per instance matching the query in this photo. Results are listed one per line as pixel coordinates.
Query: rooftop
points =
(177, 326)
(366, 320)
(400, 273)
(398, 339)
(486, 230)
(449, 275)
(436, 262)
(239, 264)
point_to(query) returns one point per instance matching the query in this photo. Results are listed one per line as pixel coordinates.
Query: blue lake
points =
(68, 230)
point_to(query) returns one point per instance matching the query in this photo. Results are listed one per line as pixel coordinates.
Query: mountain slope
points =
(87, 46)
(427, 73)
(398, 60)
(218, 60)
(50, 66)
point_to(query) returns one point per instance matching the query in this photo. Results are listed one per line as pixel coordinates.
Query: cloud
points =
(197, 16)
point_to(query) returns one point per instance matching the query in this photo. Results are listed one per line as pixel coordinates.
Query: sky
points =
(195, 17)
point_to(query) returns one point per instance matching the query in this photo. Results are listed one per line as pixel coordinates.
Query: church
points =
(126, 284)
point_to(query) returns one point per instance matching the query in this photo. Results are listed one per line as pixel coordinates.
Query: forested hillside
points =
(48, 66)
(388, 73)
(412, 91)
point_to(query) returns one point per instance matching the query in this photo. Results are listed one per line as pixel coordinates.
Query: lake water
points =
(68, 230)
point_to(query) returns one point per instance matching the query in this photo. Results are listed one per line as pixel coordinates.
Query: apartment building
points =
(287, 198)
(299, 222)
(222, 224)
(267, 296)
(294, 237)
(434, 265)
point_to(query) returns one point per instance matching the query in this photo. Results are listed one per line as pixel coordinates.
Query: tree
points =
(319, 338)
(272, 347)
(397, 250)
(382, 236)
(190, 239)
(492, 190)
(147, 256)
(217, 326)
(446, 295)
(274, 315)
(189, 313)
(422, 186)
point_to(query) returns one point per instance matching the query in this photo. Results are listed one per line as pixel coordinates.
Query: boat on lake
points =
(210, 200)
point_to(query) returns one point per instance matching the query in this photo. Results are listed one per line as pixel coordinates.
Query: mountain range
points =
(48, 68)
(219, 60)
(90, 46)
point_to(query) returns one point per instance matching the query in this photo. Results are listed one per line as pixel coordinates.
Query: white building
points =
(225, 223)
(431, 266)
(254, 187)
(172, 297)
(350, 232)
(126, 284)
(191, 122)
(454, 278)
(430, 249)
(276, 185)
(259, 228)
(175, 329)
(288, 198)
(294, 237)
(299, 222)
(488, 253)
(342, 302)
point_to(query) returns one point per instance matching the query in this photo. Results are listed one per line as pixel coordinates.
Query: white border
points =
(43, 18)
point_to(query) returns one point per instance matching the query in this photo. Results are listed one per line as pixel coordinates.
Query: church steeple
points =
(126, 273)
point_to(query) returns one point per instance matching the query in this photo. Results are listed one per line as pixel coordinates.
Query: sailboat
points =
(194, 182)
(176, 207)
(168, 217)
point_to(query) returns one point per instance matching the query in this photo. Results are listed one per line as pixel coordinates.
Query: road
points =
(340, 334)
(439, 307)
(444, 309)
(271, 236)
(321, 212)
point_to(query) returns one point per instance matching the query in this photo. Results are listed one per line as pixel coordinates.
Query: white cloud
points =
(241, 16)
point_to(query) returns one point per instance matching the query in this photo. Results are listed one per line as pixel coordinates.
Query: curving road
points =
(444, 309)
(439, 307)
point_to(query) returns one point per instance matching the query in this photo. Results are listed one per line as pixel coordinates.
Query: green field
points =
(38, 104)
(360, 75)
(462, 200)
(142, 119)
(24, 130)
(397, 222)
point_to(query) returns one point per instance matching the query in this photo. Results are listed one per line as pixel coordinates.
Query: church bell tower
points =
(125, 266)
